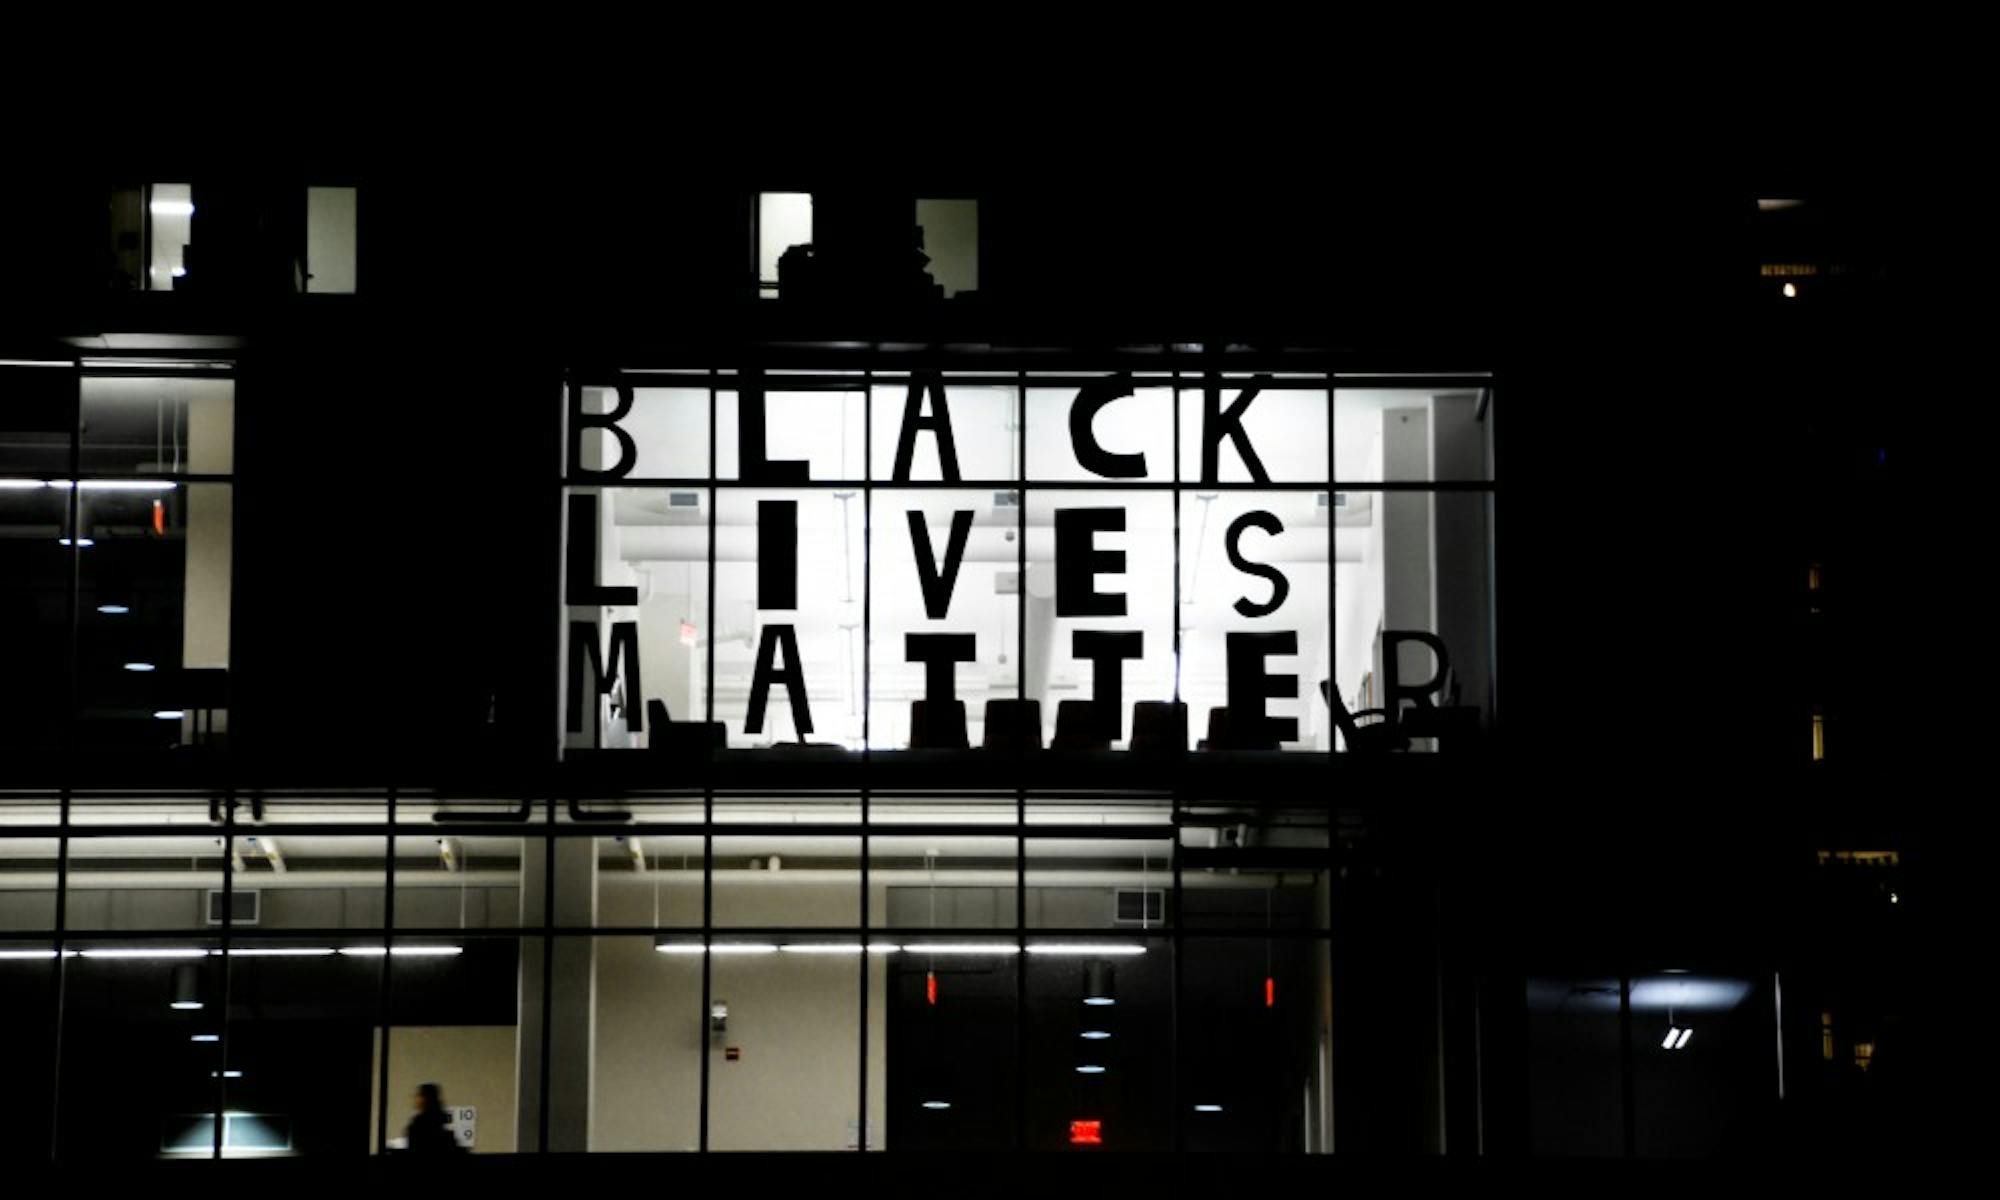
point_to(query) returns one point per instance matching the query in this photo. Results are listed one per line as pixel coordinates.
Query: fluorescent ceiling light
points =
(1208, 1108)
(7, 955)
(135, 666)
(113, 610)
(206, 1037)
(111, 485)
(186, 1005)
(79, 542)
(961, 948)
(1079, 950)
(171, 208)
(146, 952)
(1686, 1034)
(281, 952)
(225, 1074)
(402, 951)
(1095, 1035)
(1090, 1069)
(937, 1104)
(170, 714)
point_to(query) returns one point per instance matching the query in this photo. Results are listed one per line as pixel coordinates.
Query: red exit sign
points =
(1086, 1133)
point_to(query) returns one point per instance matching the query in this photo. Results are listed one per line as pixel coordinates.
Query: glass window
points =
(784, 221)
(951, 239)
(330, 239)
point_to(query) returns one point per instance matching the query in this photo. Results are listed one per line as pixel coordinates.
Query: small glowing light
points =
(140, 667)
(687, 633)
(1667, 1043)
(1099, 1001)
(1893, 899)
(225, 1074)
(186, 1005)
(180, 271)
(1095, 1035)
(172, 208)
(1208, 1108)
(82, 542)
(143, 952)
(937, 1105)
(206, 1037)
(1090, 1069)
(1086, 1133)
(1270, 992)
(1791, 291)
(113, 610)
(1683, 1043)
(169, 714)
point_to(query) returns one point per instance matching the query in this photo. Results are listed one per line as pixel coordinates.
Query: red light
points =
(1086, 1133)
(159, 519)
(1270, 992)
(930, 986)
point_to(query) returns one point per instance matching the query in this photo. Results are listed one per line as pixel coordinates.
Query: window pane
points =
(781, 881)
(933, 883)
(1411, 435)
(981, 419)
(1119, 1087)
(1117, 585)
(975, 597)
(648, 1039)
(330, 244)
(794, 1020)
(157, 427)
(943, 1053)
(171, 215)
(455, 1022)
(809, 633)
(1278, 653)
(1282, 420)
(784, 220)
(951, 239)
(1254, 1019)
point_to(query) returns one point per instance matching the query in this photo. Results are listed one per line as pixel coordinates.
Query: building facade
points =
(910, 667)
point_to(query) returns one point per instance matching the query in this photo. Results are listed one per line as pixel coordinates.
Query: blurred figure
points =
(429, 1130)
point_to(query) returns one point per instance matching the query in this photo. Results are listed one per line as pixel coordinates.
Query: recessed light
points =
(1095, 1035)
(1208, 1108)
(1090, 1069)
(113, 610)
(936, 1105)
(140, 667)
(169, 714)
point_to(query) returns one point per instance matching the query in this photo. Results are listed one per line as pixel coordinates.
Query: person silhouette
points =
(429, 1131)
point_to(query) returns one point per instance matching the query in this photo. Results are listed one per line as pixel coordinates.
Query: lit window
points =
(1819, 737)
(951, 239)
(784, 220)
(330, 250)
(151, 227)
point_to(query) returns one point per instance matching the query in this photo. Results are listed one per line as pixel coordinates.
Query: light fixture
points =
(1094, 1035)
(225, 1074)
(206, 1037)
(138, 666)
(80, 542)
(1210, 1108)
(169, 714)
(187, 988)
(1791, 291)
(1090, 1069)
(146, 952)
(402, 951)
(171, 208)
(1097, 985)
(937, 1105)
(113, 610)
(1082, 951)
(960, 948)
